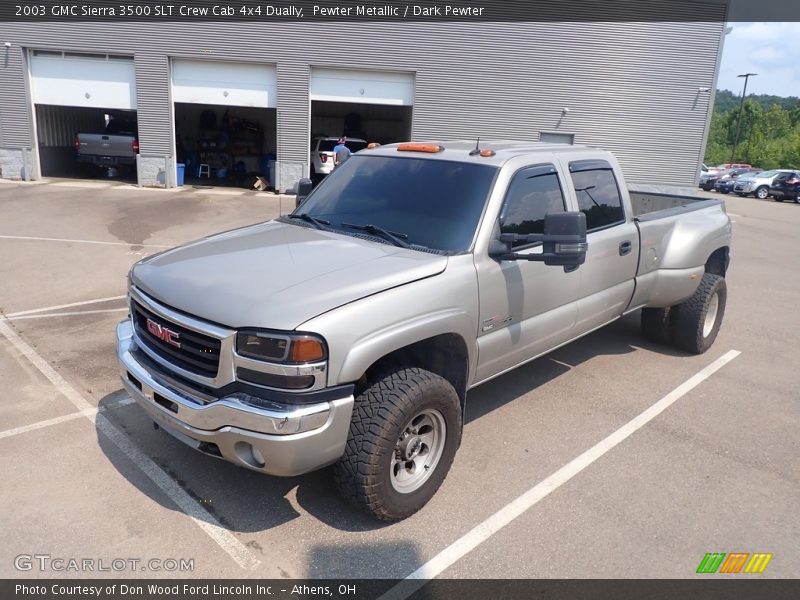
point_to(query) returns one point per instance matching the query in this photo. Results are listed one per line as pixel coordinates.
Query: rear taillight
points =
(77, 143)
(323, 157)
(135, 146)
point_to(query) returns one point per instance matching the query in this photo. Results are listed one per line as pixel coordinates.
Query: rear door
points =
(607, 278)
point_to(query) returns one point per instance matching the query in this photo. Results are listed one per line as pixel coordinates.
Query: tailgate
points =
(101, 144)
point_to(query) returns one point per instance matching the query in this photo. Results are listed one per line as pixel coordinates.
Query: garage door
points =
(367, 87)
(220, 83)
(90, 80)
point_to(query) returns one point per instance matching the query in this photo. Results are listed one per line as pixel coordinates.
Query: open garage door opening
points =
(362, 105)
(87, 143)
(86, 120)
(359, 123)
(225, 145)
(225, 123)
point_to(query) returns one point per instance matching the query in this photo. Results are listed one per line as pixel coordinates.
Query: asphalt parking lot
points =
(85, 475)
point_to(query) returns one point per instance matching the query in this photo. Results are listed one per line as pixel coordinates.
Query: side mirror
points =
(563, 241)
(304, 187)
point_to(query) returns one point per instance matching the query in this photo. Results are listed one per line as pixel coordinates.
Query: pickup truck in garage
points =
(349, 332)
(116, 146)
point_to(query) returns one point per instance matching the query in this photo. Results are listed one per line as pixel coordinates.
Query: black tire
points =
(724, 191)
(691, 332)
(380, 415)
(741, 195)
(778, 198)
(762, 192)
(657, 324)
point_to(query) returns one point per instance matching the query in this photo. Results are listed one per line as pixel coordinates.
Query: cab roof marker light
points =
(373, 145)
(416, 147)
(487, 152)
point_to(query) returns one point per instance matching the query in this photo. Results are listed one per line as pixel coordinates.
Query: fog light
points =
(249, 454)
(259, 458)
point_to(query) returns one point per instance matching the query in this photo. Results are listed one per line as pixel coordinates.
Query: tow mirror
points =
(563, 241)
(304, 187)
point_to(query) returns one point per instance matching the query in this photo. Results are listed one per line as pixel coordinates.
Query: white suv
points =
(322, 154)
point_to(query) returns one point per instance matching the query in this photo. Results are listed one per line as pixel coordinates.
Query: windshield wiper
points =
(318, 223)
(392, 236)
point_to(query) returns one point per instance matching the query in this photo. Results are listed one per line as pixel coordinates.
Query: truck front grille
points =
(192, 351)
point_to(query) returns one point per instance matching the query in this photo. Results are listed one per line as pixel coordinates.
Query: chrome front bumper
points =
(283, 440)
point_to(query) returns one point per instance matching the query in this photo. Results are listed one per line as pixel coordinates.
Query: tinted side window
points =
(597, 193)
(533, 193)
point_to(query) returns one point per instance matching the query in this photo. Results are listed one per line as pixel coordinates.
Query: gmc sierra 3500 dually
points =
(349, 332)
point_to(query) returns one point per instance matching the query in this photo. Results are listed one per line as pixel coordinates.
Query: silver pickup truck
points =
(116, 146)
(349, 332)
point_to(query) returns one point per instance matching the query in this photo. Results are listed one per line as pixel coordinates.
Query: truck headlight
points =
(285, 348)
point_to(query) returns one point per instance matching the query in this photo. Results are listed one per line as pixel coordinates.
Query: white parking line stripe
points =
(60, 306)
(62, 419)
(65, 314)
(201, 517)
(46, 239)
(515, 508)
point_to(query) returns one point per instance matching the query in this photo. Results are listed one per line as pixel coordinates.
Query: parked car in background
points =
(725, 180)
(734, 166)
(707, 180)
(116, 146)
(322, 154)
(757, 184)
(786, 186)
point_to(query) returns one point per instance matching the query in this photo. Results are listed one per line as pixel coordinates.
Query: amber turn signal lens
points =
(306, 350)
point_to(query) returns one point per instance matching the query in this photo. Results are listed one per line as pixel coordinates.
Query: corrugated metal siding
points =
(57, 125)
(293, 111)
(153, 104)
(15, 115)
(631, 87)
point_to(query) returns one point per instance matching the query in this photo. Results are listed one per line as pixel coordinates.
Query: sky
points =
(770, 49)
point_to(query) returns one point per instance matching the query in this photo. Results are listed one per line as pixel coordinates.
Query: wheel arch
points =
(717, 263)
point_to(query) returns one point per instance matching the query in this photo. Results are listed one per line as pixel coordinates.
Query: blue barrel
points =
(181, 173)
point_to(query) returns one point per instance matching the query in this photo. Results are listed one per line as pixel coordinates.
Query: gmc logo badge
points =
(164, 334)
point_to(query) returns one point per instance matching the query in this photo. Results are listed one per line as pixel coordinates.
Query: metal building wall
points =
(631, 88)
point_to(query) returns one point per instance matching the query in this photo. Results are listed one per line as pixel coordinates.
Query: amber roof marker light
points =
(417, 147)
(373, 145)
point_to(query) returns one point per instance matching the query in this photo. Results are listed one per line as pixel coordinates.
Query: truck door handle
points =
(625, 248)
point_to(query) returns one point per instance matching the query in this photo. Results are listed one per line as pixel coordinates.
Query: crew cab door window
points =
(534, 192)
(597, 193)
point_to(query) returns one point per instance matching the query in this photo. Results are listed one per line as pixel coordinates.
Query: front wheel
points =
(697, 321)
(762, 192)
(404, 433)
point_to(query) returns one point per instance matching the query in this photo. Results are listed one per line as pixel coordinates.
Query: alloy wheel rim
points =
(417, 451)
(711, 315)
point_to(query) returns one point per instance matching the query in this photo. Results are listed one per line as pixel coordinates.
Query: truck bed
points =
(654, 202)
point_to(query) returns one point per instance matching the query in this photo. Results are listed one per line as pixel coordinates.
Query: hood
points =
(276, 275)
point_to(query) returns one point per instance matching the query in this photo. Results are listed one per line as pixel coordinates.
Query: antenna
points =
(476, 150)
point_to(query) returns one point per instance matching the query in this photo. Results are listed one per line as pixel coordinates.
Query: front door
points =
(526, 307)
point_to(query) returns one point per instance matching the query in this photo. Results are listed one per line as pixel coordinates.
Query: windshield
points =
(435, 203)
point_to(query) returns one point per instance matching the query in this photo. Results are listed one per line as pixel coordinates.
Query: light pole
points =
(741, 109)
